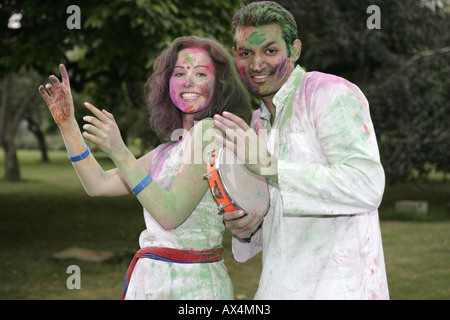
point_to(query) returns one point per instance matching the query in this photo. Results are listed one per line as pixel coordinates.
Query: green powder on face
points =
(189, 57)
(256, 38)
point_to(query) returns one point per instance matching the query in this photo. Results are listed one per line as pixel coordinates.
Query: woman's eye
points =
(201, 74)
(178, 74)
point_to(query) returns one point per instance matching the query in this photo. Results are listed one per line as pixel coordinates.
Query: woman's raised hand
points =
(58, 97)
(103, 130)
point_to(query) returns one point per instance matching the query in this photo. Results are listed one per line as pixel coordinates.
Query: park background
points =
(402, 67)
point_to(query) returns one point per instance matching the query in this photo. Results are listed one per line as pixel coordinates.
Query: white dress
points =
(203, 230)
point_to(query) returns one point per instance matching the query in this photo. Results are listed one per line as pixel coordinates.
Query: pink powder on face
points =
(194, 73)
(190, 109)
(280, 69)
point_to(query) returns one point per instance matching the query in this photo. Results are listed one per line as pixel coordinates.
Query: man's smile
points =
(259, 78)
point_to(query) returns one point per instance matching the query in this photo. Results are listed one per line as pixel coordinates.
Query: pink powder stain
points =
(190, 109)
(366, 129)
(193, 59)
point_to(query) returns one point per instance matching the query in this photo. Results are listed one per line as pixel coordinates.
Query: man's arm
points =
(353, 180)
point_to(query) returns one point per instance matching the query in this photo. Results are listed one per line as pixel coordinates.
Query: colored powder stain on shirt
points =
(310, 189)
(283, 152)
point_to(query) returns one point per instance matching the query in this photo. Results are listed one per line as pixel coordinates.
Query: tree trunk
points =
(34, 128)
(12, 169)
(10, 116)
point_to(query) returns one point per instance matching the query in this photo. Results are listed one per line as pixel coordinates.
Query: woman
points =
(181, 251)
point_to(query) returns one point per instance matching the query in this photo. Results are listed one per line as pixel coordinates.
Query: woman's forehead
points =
(194, 56)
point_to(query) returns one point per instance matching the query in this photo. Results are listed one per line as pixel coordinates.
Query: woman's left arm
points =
(169, 208)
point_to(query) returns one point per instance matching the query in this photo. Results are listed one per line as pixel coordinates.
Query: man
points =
(321, 237)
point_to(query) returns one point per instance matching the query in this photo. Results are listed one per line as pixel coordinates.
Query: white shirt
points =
(321, 237)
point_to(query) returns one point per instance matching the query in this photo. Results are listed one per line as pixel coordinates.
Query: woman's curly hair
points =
(230, 94)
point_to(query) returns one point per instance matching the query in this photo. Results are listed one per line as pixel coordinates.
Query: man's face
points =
(262, 58)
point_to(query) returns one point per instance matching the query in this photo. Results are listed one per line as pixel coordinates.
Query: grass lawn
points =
(50, 212)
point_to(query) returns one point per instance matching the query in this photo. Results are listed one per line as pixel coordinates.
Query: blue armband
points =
(141, 185)
(80, 156)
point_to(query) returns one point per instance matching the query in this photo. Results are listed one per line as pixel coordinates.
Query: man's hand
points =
(242, 226)
(250, 147)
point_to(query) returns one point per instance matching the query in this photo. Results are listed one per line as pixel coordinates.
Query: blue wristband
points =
(141, 185)
(80, 156)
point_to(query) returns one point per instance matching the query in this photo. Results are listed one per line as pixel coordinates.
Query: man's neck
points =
(268, 101)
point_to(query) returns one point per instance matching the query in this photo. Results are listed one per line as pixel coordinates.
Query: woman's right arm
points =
(95, 180)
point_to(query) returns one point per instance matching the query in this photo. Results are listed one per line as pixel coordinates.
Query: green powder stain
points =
(189, 57)
(283, 152)
(256, 38)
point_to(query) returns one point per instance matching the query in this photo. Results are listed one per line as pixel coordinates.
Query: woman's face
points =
(192, 81)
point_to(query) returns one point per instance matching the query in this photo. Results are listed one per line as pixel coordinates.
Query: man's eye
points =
(271, 51)
(244, 54)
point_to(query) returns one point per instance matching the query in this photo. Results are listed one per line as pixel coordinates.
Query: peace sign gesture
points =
(59, 98)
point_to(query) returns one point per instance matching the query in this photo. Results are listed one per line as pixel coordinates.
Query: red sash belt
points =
(171, 255)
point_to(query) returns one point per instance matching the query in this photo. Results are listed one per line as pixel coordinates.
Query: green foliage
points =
(403, 68)
(123, 34)
(115, 48)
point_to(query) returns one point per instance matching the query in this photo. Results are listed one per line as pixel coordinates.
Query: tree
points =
(111, 54)
(403, 68)
(13, 108)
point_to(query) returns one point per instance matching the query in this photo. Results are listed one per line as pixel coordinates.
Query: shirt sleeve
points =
(353, 180)
(243, 251)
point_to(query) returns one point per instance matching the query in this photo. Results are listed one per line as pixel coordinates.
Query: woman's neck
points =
(188, 121)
